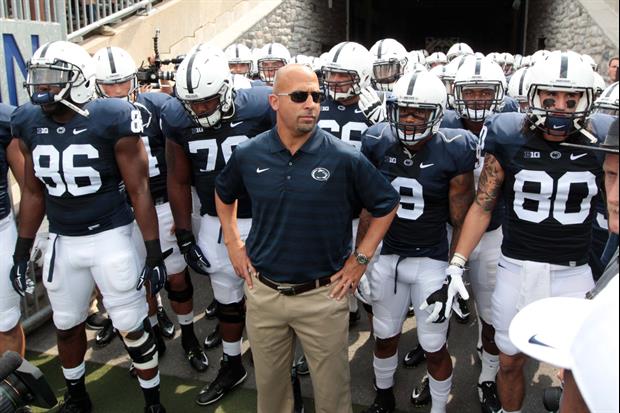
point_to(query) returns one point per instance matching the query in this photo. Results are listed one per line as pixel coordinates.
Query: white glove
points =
(372, 104)
(439, 303)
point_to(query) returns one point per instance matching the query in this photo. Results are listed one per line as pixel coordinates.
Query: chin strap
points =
(76, 108)
(585, 132)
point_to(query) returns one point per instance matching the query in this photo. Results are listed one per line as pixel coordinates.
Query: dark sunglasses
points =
(300, 96)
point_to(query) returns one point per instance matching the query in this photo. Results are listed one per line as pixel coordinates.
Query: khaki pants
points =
(322, 326)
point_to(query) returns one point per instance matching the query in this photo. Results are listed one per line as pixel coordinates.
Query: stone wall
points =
(305, 26)
(565, 24)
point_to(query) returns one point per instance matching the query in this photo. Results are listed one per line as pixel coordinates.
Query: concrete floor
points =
(462, 347)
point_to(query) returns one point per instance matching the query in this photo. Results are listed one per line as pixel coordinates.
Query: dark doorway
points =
(486, 25)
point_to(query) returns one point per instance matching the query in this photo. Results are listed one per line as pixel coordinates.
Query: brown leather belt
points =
(294, 289)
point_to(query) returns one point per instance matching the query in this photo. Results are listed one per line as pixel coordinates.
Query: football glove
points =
(439, 303)
(194, 256)
(372, 104)
(154, 270)
(18, 275)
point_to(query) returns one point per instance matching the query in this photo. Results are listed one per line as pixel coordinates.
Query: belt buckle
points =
(286, 290)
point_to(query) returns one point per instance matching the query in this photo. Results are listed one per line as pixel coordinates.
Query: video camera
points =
(151, 74)
(22, 384)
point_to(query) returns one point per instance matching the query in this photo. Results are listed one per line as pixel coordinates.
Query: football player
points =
(270, 58)
(549, 192)
(239, 59)
(78, 152)
(116, 78)
(432, 169)
(203, 126)
(11, 332)
(389, 63)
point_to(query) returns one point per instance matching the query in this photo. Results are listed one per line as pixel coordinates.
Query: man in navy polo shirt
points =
(305, 186)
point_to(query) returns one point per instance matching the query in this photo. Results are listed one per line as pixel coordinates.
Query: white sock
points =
(74, 373)
(490, 366)
(153, 320)
(158, 297)
(440, 391)
(231, 349)
(185, 319)
(149, 384)
(506, 411)
(384, 371)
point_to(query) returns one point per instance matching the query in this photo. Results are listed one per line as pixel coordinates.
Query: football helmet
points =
(203, 77)
(526, 61)
(518, 59)
(239, 59)
(63, 65)
(599, 85)
(589, 60)
(389, 62)
(478, 74)
(208, 48)
(560, 72)
(346, 70)
(115, 65)
(507, 62)
(270, 58)
(608, 101)
(518, 87)
(437, 58)
(415, 61)
(538, 56)
(422, 91)
(459, 49)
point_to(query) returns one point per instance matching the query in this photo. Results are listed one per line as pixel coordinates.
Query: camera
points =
(22, 384)
(551, 398)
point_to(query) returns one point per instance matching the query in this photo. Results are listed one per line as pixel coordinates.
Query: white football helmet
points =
(589, 60)
(437, 58)
(607, 103)
(560, 72)
(518, 87)
(507, 63)
(518, 59)
(270, 58)
(538, 56)
(415, 59)
(115, 65)
(346, 70)
(459, 49)
(207, 48)
(599, 85)
(389, 62)
(239, 59)
(203, 77)
(478, 74)
(420, 90)
(61, 64)
(526, 61)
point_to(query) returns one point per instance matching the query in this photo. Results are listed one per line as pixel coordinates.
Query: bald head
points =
(293, 74)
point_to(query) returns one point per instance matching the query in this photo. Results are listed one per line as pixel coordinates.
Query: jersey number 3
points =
(77, 180)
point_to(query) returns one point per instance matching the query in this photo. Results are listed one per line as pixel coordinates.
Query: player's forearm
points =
(468, 236)
(227, 214)
(32, 211)
(146, 216)
(461, 197)
(377, 227)
(180, 198)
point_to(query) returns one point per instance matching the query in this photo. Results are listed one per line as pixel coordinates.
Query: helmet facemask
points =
(132, 93)
(267, 68)
(408, 132)
(478, 108)
(223, 109)
(58, 75)
(551, 121)
(386, 73)
(341, 89)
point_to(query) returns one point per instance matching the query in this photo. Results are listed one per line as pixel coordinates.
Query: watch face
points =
(361, 259)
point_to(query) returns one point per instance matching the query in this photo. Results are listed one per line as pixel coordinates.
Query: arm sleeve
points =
(375, 193)
(465, 157)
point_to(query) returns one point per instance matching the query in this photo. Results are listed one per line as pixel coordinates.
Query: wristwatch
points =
(361, 258)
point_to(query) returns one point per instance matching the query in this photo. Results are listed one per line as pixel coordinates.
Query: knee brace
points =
(184, 295)
(432, 342)
(230, 313)
(142, 350)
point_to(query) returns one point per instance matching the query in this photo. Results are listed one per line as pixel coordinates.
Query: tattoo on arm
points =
(461, 197)
(490, 183)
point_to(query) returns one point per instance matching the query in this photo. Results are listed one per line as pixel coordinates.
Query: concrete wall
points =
(585, 26)
(305, 26)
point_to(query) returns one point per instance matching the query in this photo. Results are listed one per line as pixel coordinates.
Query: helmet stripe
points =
(188, 77)
(477, 68)
(111, 59)
(338, 51)
(237, 50)
(412, 83)
(270, 47)
(522, 81)
(564, 66)
(45, 47)
(379, 49)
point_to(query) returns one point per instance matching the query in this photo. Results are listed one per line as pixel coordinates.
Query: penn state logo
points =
(555, 155)
(408, 162)
(320, 174)
(60, 130)
(341, 108)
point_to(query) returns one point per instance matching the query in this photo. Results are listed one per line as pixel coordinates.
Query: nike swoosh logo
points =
(558, 126)
(358, 111)
(453, 139)
(534, 340)
(575, 157)
(235, 124)
(78, 131)
(260, 171)
(422, 166)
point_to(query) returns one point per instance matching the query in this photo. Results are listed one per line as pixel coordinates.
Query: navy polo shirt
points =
(303, 205)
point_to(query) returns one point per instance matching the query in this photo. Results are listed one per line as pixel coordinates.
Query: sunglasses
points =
(301, 96)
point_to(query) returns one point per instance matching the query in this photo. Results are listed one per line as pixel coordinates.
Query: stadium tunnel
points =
(486, 25)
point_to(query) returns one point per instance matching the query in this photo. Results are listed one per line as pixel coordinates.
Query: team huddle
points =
(497, 199)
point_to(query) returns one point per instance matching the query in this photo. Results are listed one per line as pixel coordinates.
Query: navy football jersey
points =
(549, 192)
(5, 139)
(452, 120)
(347, 123)
(423, 181)
(510, 105)
(77, 164)
(150, 105)
(209, 149)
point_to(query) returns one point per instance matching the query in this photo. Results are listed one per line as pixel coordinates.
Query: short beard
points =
(303, 129)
